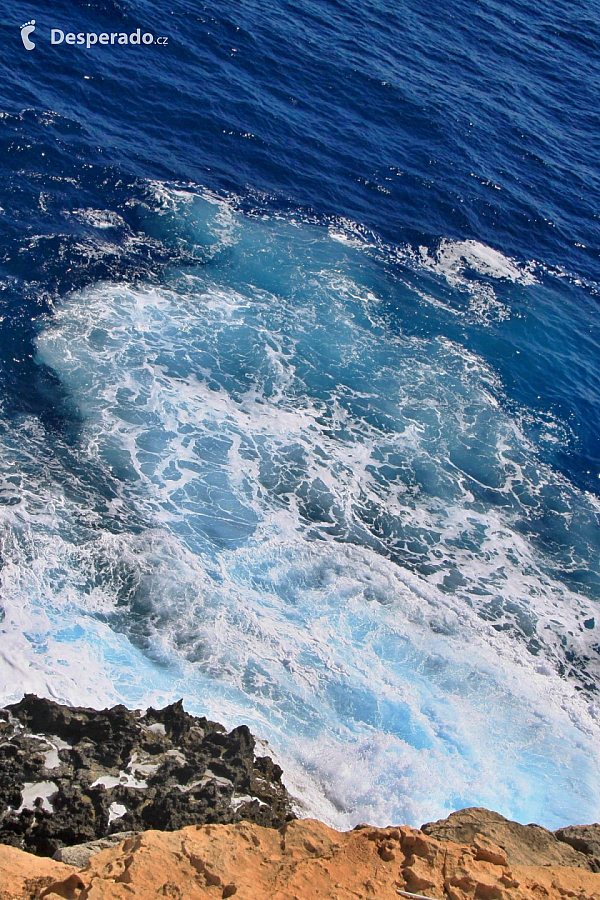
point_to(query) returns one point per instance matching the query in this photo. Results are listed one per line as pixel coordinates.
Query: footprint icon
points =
(27, 29)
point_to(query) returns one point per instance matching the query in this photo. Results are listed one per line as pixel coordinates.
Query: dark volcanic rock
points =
(71, 775)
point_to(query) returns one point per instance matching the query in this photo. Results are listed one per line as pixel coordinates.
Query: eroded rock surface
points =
(71, 775)
(304, 860)
(79, 854)
(525, 845)
(585, 839)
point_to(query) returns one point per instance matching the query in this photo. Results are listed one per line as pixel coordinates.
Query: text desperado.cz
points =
(88, 39)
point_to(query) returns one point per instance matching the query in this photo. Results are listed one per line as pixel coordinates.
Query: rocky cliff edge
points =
(302, 860)
(162, 804)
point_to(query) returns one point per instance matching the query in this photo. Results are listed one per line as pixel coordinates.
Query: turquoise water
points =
(300, 392)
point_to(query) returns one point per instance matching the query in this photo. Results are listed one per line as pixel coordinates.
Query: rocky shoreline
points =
(70, 775)
(302, 860)
(165, 804)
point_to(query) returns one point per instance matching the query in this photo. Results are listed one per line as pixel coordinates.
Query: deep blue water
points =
(300, 379)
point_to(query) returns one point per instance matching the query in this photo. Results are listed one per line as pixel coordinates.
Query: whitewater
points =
(285, 491)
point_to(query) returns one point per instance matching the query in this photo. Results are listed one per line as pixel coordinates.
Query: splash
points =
(287, 507)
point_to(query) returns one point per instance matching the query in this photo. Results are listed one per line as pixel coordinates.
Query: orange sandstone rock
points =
(305, 860)
(25, 875)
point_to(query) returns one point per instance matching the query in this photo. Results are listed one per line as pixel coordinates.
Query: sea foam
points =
(294, 512)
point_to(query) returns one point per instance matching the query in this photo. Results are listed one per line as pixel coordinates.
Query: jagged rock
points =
(71, 775)
(585, 839)
(524, 845)
(303, 860)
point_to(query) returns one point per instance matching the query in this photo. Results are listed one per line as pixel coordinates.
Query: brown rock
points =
(487, 851)
(524, 845)
(304, 860)
(69, 888)
(585, 839)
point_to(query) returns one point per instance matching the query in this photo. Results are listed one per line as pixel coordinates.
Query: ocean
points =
(300, 386)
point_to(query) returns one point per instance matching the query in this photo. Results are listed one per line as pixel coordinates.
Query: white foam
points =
(452, 258)
(99, 218)
(309, 523)
(468, 267)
